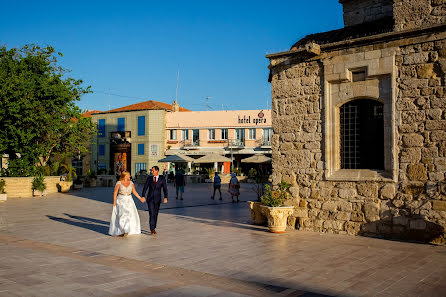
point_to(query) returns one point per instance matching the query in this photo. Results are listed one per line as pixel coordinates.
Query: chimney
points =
(362, 11)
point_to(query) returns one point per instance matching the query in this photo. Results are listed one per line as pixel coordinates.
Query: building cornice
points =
(368, 40)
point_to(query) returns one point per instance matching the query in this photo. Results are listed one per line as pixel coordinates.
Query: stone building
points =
(359, 120)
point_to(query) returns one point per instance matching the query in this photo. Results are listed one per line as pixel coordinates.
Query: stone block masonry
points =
(20, 187)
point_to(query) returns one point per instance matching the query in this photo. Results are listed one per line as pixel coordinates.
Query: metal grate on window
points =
(350, 156)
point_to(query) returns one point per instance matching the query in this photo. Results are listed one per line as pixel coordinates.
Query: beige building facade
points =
(359, 119)
(236, 134)
(131, 138)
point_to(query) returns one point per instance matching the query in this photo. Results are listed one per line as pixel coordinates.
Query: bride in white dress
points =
(124, 218)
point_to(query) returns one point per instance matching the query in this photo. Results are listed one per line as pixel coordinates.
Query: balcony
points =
(236, 143)
(189, 143)
(265, 142)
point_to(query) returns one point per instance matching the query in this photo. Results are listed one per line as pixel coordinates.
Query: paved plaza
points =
(59, 246)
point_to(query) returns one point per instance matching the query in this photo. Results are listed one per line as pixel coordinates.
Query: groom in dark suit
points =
(153, 185)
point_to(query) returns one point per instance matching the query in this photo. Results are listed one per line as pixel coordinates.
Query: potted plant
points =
(3, 195)
(39, 186)
(273, 209)
(78, 184)
(66, 184)
(91, 175)
(252, 175)
(211, 173)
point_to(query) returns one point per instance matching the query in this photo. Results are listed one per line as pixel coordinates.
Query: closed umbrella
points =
(258, 159)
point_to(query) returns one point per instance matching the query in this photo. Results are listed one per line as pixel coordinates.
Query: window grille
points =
(349, 137)
(362, 135)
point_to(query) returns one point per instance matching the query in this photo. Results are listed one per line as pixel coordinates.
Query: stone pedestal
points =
(65, 186)
(37, 193)
(256, 213)
(277, 217)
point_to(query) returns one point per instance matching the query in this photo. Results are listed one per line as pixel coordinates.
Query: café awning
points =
(177, 159)
(212, 158)
(259, 159)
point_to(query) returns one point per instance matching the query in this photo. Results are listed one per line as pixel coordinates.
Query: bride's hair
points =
(124, 174)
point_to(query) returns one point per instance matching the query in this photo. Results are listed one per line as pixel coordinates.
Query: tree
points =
(38, 115)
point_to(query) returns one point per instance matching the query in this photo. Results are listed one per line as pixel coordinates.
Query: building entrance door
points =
(120, 158)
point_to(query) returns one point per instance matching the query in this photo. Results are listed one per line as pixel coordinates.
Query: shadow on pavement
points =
(222, 223)
(197, 205)
(96, 225)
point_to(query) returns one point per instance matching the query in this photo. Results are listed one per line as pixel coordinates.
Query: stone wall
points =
(409, 202)
(413, 14)
(357, 12)
(20, 187)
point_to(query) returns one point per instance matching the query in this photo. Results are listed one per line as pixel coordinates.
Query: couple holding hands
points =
(125, 218)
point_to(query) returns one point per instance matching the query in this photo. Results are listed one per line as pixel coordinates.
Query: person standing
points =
(217, 185)
(153, 186)
(234, 187)
(119, 167)
(179, 183)
(125, 218)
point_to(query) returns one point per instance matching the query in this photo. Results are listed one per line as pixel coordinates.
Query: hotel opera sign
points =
(260, 119)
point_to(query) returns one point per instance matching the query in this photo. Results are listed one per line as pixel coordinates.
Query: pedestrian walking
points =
(125, 218)
(153, 187)
(179, 183)
(217, 185)
(234, 187)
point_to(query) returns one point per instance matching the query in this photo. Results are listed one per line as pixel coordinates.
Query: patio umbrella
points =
(212, 158)
(177, 159)
(259, 159)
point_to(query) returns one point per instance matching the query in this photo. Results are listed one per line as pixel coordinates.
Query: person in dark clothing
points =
(153, 187)
(179, 182)
(217, 185)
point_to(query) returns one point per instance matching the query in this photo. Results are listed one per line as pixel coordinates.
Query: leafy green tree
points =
(38, 115)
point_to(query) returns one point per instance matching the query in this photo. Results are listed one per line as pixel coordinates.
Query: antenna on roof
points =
(207, 103)
(178, 81)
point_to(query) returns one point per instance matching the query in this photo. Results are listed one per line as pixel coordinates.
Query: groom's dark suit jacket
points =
(155, 191)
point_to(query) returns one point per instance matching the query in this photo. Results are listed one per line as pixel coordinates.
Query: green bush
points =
(2, 186)
(237, 170)
(91, 174)
(274, 198)
(252, 173)
(39, 183)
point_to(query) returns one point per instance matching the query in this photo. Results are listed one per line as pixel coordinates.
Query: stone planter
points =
(78, 186)
(3, 197)
(92, 182)
(37, 193)
(256, 213)
(65, 186)
(277, 217)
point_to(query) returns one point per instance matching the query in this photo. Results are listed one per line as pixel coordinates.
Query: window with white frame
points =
(252, 133)
(211, 134)
(184, 134)
(173, 134)
(224, 134)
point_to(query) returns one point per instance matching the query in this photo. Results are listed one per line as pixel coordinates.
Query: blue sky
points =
(135, 48)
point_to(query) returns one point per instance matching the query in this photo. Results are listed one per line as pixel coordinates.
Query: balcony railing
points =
(190, 142)
(236, 142)
(265, 142)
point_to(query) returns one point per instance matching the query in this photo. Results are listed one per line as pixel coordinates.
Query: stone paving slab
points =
(59, 246)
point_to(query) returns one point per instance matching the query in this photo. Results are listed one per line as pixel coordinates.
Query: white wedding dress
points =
(124, 218)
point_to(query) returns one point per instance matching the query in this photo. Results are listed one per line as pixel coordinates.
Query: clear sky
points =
(134, 49)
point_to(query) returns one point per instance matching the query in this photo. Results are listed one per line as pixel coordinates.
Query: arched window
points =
(362, 134)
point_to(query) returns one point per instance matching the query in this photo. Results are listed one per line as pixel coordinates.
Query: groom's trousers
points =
(154, 208)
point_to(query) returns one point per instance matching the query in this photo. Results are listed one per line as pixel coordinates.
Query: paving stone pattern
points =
(59, 246)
